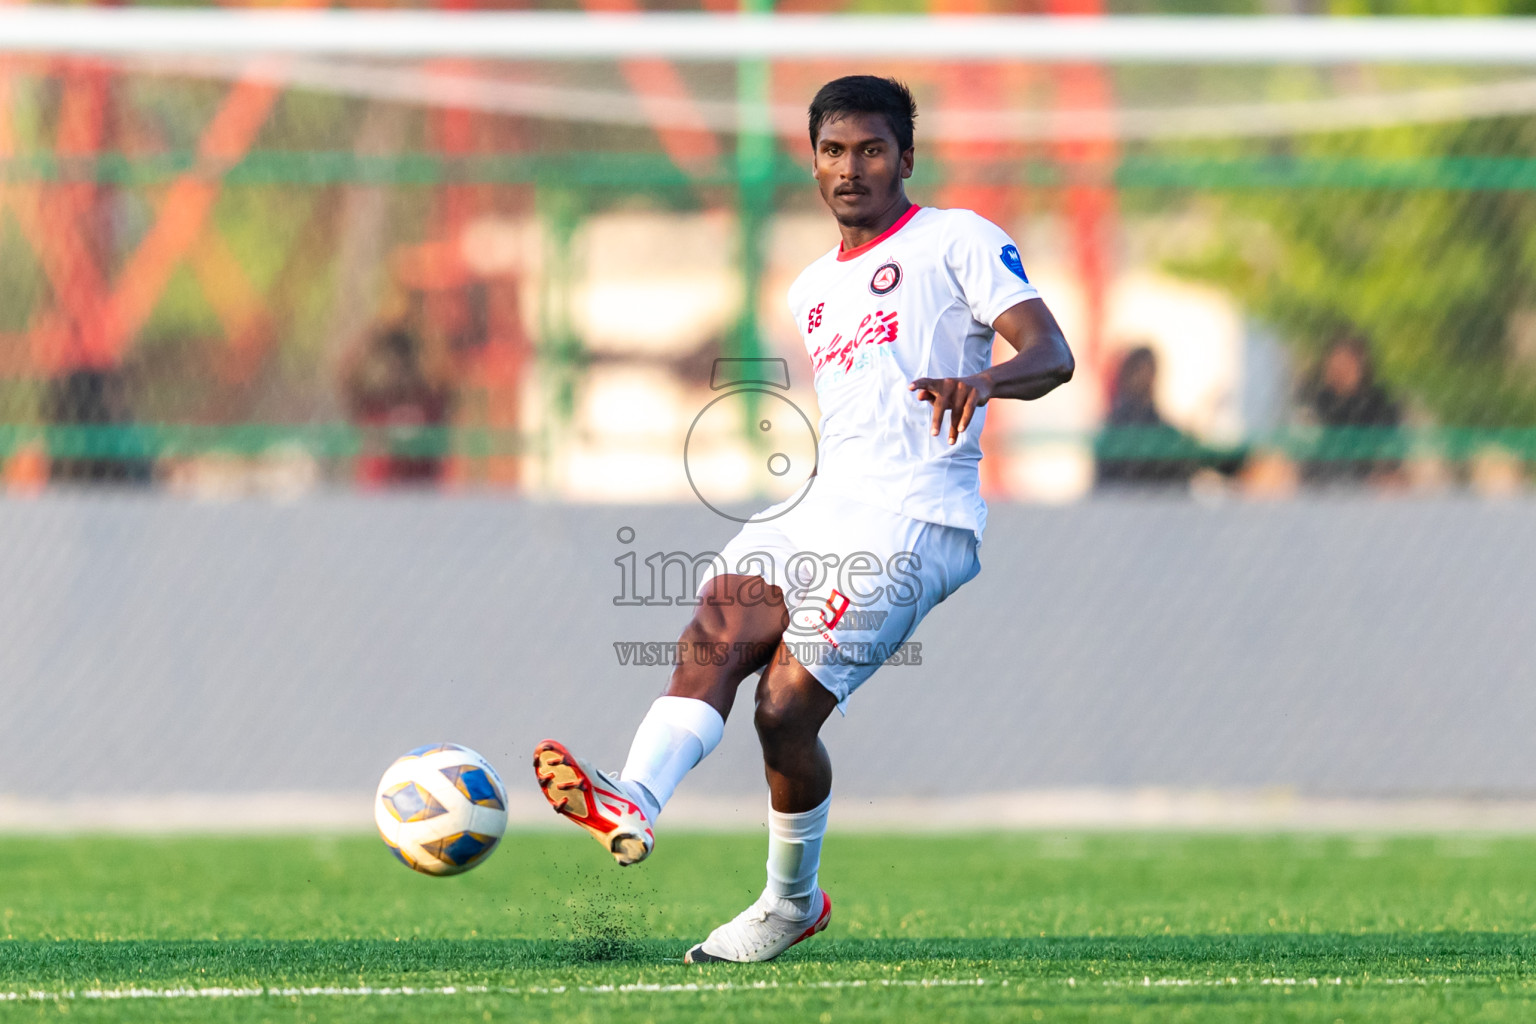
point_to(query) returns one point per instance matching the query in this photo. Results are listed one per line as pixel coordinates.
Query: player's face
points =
(859, 169)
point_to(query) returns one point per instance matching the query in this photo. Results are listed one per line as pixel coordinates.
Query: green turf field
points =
(1115, 927)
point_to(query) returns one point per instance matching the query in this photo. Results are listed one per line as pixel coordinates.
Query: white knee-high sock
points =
(794, 851)
(676, 734)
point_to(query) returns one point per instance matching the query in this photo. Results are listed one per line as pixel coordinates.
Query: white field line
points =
(692, 987)
(1149, 982)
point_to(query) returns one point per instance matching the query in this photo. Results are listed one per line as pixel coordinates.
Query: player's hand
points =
(959, 396)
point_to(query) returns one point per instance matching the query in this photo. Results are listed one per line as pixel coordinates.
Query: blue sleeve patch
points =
(1010, 258)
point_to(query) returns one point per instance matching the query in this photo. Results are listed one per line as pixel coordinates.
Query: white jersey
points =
(918, 301)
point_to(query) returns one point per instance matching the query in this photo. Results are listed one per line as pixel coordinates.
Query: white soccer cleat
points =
(594, 800)
(760, 933)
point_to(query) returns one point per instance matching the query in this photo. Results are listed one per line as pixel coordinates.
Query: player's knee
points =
(779, 717)
(748, 633)
(714, 621)
(707, 626)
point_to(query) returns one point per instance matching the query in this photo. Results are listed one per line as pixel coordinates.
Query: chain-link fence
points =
(236, 272)
(295, 273)
(1346, 647)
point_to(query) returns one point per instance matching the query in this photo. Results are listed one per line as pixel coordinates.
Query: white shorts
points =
(856, 578)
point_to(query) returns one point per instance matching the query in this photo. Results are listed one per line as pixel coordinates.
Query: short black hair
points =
(866, 94)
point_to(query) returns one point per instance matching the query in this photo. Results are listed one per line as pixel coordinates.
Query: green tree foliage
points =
(1440, 282)
(1417, 242)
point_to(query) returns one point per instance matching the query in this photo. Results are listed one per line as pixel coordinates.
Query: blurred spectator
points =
(1138, 448)
(1270, 474)
(99, 443)
(1360, 418)
(388, 385)
(1496, 472)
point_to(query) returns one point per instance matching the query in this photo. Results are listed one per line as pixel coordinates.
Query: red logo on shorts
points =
(886, 278)
(823, 620)
(837, 604)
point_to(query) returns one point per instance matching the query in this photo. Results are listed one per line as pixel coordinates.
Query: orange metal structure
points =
(1088, 198)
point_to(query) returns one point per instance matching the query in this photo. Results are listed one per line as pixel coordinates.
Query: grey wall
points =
(151, 645)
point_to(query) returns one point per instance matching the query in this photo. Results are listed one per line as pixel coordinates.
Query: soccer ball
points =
(441, 809)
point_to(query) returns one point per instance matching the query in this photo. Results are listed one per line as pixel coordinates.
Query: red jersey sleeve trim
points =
(855, 253)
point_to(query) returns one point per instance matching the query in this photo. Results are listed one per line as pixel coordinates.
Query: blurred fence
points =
(510, 271)
(230, 272)
(1345, 647)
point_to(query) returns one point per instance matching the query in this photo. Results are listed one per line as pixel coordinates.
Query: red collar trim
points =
(854, 253)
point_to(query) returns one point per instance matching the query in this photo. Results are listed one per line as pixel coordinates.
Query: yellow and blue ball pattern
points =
(441, 809)
(409, 802)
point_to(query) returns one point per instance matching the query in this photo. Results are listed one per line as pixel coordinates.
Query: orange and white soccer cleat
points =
(594, 800)
(761, 932)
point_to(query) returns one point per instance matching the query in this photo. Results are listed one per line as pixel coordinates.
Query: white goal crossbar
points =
(699, 37)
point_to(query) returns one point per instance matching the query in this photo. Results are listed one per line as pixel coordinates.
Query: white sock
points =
(794, 854)
(676, 734)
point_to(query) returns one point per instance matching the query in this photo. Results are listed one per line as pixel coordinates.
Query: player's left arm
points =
(1042, 363)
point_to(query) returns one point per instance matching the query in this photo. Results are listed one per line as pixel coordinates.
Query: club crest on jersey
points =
(1010, 258)
(887, 277)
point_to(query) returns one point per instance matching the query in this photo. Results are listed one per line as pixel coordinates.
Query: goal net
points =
(302, 248)
(465, 258)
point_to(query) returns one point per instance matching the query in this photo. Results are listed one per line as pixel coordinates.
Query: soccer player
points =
(898, 321)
